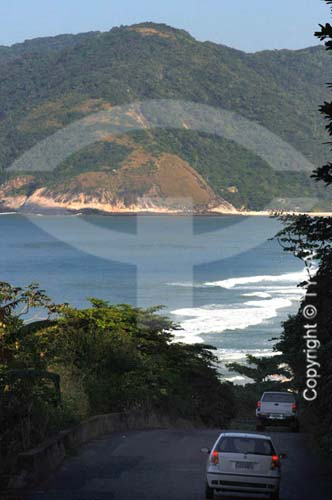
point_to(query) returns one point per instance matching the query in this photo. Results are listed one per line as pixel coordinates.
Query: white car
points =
(243, 463)
(277, 408)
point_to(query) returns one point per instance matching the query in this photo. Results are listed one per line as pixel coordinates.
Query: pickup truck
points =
(277, 408)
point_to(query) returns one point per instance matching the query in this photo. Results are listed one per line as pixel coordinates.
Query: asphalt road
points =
(168, 465)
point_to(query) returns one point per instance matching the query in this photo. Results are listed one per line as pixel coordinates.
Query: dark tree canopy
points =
(324, 173)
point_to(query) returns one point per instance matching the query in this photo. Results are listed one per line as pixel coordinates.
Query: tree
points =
(126, 357)
(28, 391)
(260, 369)
(324, 173)
(18, 337)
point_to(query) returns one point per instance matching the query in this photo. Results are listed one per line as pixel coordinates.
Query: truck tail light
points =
(259, 404)
(275, 464)
(215, 457)
(294, 406)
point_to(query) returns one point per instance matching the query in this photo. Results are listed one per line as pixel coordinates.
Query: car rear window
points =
(249, 445)
(278, 397)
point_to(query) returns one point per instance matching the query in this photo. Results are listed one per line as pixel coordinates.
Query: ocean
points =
(221, 278)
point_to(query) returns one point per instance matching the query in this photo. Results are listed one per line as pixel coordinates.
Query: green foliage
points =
(29, 394)
(29, 411)
(306, 237)
(324, 173)
(101, 156)
(17, 339)
(226, 165)
(126, 358)
(29, 297)
(260, 369)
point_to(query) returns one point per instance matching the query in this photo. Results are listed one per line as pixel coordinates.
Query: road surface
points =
(168, 465)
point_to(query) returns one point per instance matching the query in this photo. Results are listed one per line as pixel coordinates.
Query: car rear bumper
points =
(270, 420)
(225, 482)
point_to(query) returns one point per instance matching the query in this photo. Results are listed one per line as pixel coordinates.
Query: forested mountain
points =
(48, 83)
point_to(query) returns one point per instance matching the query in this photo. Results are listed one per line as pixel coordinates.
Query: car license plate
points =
(277, 416)
(244, 465)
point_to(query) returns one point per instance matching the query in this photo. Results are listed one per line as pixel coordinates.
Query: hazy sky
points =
(245, 24)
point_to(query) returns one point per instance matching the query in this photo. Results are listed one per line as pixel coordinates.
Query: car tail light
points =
(294, 406)
(215, 457)
(275, 464)
(259, 404)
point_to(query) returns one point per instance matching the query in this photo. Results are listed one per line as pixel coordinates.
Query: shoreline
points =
(240, 213)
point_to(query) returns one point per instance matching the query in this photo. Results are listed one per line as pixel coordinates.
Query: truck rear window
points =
(248, 445)
(278, 397)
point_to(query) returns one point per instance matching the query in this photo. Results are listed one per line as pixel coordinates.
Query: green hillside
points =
(46, 84)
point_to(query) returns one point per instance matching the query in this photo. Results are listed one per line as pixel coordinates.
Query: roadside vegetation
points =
(77, 363)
